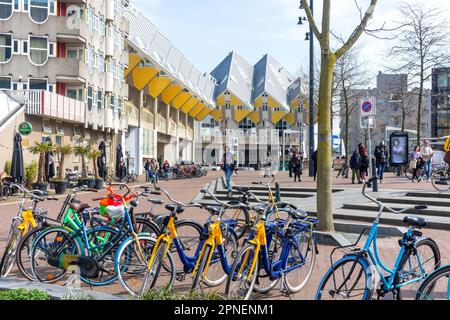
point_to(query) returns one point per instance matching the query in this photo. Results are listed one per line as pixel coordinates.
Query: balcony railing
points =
(52, 105)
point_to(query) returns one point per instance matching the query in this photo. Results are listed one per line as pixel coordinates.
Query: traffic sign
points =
(367, 107)
(368, 122)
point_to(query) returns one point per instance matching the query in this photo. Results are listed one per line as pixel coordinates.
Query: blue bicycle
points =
(436, 286)
(361, 273)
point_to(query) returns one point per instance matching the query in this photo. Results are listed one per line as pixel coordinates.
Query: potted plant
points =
(8, 165)
(41, 148)
(83, 152)
(62, 151)
(93, 155)
(31, 172)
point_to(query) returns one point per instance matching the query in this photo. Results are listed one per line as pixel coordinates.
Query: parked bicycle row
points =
(249, 248)
(182, 170)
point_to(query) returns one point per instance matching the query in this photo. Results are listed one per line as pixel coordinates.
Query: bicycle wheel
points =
(23, 258)
(239, 286)
(436, 286)
(47, 249)
(349, 278)
(264, 283)
(9, 256)
(201, 268)
(132, 268)
(239, 215)
(417, 266)
(216, 275)
(147, 226)
(188, 233)
(439, 180)
(408, 173)
(300, 262)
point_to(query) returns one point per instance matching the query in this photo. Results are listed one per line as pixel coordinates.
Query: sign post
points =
(367, 118)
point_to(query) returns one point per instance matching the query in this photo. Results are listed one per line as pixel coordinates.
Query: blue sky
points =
(206, 30)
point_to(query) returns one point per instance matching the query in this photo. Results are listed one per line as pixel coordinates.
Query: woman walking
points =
(416, 164)
(364, 169)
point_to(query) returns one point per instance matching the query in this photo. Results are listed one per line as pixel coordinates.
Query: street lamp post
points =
(310, 37)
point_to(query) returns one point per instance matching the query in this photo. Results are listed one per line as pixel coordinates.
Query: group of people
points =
(420, 162)
(296, 165)
(152, 169)
(359, 164)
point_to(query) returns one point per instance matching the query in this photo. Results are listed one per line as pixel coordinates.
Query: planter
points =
(98, 183)
(60, 187)
(40, 186)
(88, 182)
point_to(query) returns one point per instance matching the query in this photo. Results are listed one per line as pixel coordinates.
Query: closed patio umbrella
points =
(17, 167)
(49, 163)
(101, 162)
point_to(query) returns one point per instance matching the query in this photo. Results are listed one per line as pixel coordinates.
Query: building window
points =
(112, 102)
(5, 83)
(6, 9)
(91, 20)
(76, 143)
(90, 98)
(37, 84)
(265, 107)
(59, 140)
(100, 100)
(60, 128)
(91, 59)
(25, 47)
(46, 125)
(39, 10)
(5, 47)
(38, 54)
(120, 107)
(76, 131)
(16, 46)
(52, 49)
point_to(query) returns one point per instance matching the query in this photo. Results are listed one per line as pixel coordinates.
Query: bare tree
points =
(350, 73)
(328, 60)
(421, 45)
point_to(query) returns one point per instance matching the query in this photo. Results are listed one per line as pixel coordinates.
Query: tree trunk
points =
(324, 180)
(61, 167)
(419, 111)
(94, 162)
(83, 167)
(41, 170)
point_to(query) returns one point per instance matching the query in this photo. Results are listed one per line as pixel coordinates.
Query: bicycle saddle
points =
(172, 207)
(260, 208)
(298, 214)
(156, 201)
(79, 206)
(242, 189)
(214, 210)
(75, 201)
(415, 222)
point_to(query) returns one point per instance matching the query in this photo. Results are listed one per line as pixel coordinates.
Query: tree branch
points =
(311, 20)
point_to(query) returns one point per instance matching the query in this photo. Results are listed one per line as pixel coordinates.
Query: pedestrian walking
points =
(427, 154)
(365, 163)
(268, 166)
(228, 168)
(416, 164)
(147, 171)
(166, 168)
(298, 166)
(290, 163)
(381, 156)
(355, 165)
(314, 163)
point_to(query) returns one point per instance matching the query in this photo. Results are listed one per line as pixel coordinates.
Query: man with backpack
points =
(355, 165)
(381, 156)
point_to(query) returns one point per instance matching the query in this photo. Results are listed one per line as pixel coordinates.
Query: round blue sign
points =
(366, 106)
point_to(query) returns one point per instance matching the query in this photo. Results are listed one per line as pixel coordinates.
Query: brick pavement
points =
(185, 190)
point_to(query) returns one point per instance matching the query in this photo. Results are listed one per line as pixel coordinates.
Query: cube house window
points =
(6, 9)
(39, 10)
(38, 54)
(5, 47)
(5, 83)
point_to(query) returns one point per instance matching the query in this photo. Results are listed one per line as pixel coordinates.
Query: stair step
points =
(431, 211)
(265, 193)
(417, 201)
(434, 194)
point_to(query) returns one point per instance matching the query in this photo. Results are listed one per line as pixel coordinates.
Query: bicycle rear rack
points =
(349, 249)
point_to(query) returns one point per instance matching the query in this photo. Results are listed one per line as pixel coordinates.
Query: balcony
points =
(110, 10)
(109, 118)
(172, 130)
(109, 82)
(51, 105)
(109, 46)
(161, 124)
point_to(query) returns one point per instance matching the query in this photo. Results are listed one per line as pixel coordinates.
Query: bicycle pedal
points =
(180, 277)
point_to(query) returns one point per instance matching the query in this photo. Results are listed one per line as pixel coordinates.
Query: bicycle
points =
(57, 244)
(21, 223)
(360, 272)
(298, 249)
(155, 267)
(440, 179)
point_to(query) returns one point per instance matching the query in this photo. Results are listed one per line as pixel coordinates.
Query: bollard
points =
(374, 173)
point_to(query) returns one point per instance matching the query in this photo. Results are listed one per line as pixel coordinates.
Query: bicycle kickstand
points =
(284, 289)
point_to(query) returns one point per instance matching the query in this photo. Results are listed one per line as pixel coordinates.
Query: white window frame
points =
(100, 100)
(25, 5)
(46, 129)
(35, 6)
(37, 78)
(5, 46)
(24, 48)
(12, 9)
(39, 49)
(19, 4)
(19, 46)
(55, 48)
(90, 97)
(60, 128)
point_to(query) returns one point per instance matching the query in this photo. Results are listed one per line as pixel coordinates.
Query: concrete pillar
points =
(140, 138)
(155, 131)
(177, 143)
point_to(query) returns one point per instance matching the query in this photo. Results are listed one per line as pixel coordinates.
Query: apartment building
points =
(440, 102)
(65, 62)
(259, 108)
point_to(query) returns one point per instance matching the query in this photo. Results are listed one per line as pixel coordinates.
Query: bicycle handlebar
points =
(197, 205)
(31, 193)
(382, 205)
(222, 203)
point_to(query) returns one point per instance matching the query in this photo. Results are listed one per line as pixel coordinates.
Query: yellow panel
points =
(217, 114)
(295, 103)
(189, 104)
(142, 76)
(272, 103)
(239, 115)
(220, 101)
(133, 61)
(234, 101)
(277, 116)
(258, 102)
(290, 118)
(202, 115)
(197, 109)
(254, 116)
(158, 85)
(170, 93)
